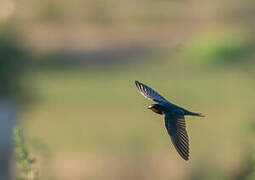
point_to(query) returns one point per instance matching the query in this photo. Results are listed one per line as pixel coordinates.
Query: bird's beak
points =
(149, 107)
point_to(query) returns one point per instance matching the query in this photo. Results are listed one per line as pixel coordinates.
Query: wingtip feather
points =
(137, 83)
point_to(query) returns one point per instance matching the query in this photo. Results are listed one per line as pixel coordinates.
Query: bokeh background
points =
(68, 69)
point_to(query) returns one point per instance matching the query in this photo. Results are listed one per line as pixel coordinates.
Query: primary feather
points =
(176, 128)
(149, 93)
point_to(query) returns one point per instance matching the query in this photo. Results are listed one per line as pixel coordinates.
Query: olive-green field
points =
(73, 69)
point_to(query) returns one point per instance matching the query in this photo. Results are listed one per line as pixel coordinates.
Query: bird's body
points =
(174, 118)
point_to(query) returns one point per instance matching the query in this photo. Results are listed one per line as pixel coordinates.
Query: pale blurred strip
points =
(7, 8)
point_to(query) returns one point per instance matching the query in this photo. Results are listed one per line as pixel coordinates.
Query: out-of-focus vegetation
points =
(222, 50)
(88, 114)
(25, 162)
(13, 64)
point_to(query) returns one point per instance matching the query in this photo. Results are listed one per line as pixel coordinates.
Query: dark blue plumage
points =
(174, 118)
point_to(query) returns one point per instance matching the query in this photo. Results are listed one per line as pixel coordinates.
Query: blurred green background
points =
(82, 116)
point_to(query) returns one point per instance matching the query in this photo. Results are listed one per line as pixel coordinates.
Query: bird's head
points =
(156, 108)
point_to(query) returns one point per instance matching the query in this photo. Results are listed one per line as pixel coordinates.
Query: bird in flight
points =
(174, 118)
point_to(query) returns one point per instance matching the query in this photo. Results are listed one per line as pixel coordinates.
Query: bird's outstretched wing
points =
(149, 93)
(176, 127)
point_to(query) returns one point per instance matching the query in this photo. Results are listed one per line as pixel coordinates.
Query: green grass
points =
(93, 124)
(100, 111)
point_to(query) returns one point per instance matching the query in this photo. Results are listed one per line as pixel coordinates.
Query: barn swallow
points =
(174, 118)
